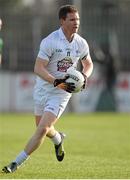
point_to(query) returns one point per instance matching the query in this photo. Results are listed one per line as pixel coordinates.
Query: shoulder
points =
(82, 46)
(49, 43)
(80, 40)
(52, 36)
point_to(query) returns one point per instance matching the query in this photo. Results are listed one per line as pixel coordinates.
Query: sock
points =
(21, 158)
(56, 139)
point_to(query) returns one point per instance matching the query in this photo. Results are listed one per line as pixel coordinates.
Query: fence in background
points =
(105, 25)
(16, 94)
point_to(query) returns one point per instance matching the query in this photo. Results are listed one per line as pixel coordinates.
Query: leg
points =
(58, 105)
(47, 120)
(45, 127)
(57, 139)
(51, 133)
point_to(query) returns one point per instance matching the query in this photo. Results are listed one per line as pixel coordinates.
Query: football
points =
(75, 77)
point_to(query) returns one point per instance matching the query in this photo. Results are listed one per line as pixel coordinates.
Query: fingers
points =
(66, 77)
(62, 86)
(85, 81)
(69, 87)
(60, 81)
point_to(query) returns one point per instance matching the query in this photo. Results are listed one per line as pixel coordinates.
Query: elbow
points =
(92, 66)
(36, 70)
(88, 69)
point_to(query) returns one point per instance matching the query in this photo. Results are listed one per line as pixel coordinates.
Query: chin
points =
(75, 31)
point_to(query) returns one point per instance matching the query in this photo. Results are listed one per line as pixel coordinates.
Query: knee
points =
(42, 131)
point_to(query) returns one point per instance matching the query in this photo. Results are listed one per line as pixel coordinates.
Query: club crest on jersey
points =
(64, 64)
(77, 53)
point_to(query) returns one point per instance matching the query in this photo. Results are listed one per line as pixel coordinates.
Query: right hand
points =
(85, 81)
(62, 84)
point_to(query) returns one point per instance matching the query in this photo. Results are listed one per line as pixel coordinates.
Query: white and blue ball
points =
(75, 77)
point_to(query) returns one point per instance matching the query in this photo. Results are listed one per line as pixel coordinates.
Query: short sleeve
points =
(85, 50)
(45, 51)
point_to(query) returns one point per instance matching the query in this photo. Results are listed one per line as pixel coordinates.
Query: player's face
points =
(71, 23)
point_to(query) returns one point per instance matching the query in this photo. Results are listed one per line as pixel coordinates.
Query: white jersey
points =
(61, 54)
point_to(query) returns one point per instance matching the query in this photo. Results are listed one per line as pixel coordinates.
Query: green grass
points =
(97, 147)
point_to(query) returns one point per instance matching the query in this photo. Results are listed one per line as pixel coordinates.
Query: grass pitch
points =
(97, 147)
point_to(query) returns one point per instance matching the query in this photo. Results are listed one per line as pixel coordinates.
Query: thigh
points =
(51, 131)
(37, 119)
(47, 120)
(56, 105)
(40, 111)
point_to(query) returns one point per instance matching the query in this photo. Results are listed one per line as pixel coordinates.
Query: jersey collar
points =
(62, 36)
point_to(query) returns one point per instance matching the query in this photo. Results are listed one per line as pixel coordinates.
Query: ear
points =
(62, 21)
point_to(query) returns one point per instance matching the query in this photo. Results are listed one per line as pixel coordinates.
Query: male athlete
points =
(60, 50)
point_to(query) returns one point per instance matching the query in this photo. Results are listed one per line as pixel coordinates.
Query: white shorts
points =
(54, 104)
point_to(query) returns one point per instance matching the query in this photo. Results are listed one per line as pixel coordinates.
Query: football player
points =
(60, 50)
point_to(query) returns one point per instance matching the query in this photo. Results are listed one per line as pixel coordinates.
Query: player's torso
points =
(64, 55)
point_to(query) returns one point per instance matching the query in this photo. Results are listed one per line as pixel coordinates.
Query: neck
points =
(69, 36)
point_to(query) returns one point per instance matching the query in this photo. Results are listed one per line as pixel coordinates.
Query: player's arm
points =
(87, 65)
(87, 68)
(41, 71)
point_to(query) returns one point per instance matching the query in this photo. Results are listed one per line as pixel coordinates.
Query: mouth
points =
(76, 27)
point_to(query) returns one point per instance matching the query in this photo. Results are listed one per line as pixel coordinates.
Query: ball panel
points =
(76, 77)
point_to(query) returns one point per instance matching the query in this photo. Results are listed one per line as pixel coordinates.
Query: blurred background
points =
(105, 25)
